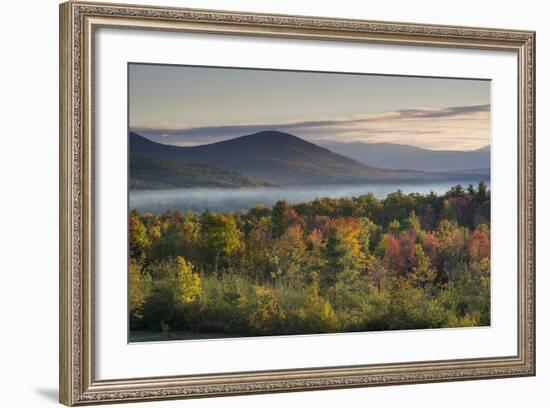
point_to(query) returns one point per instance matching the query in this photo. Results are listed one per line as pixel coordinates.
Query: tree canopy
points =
(351, 264)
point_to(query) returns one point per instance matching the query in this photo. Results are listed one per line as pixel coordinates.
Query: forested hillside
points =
(159, 173)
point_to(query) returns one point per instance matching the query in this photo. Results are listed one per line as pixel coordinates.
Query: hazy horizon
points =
(188, 106)
(322, 143)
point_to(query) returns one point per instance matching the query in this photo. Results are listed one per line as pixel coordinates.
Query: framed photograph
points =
(258, 203)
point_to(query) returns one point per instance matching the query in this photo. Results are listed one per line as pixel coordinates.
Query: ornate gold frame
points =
(78, 22)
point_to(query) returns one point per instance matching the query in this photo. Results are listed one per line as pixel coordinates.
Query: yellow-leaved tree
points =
(139, 289)
(189, 282)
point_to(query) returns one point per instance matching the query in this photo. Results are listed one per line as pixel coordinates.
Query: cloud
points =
(455, 127)
(445, 112)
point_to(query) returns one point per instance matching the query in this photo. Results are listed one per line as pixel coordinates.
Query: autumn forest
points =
(406, 261)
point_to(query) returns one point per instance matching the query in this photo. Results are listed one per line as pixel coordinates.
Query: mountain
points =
(278, 158)
(398, 156)
(156, 172)
(483, 149)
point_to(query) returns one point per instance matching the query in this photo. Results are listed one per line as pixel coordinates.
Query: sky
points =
(185, 105)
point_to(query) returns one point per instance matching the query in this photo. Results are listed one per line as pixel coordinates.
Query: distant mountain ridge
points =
(398, 156)
(278, 158)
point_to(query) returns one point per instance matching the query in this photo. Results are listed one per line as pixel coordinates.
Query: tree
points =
(189, 282)
(407, 250)
(413, 223)
(392, 254)
(400, 252)
(279, 218)
(394, 227)
(480, 244)
(318, 312)
(258, 247)
(342, 251)
(139, 242)
(397, 206)
(139, 289)
(456, 191)
(430, 246)
(369, 206)
(222, 238)
(189, 234)
(482, 192)
(289, 254)
(265, 313)
(315, 245)
(451, 239)
(173, 285)
(422, 274)
(378, 275)
(448, 212)
(369, 235)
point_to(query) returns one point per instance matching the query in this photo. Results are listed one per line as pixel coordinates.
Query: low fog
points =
(219, 199)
